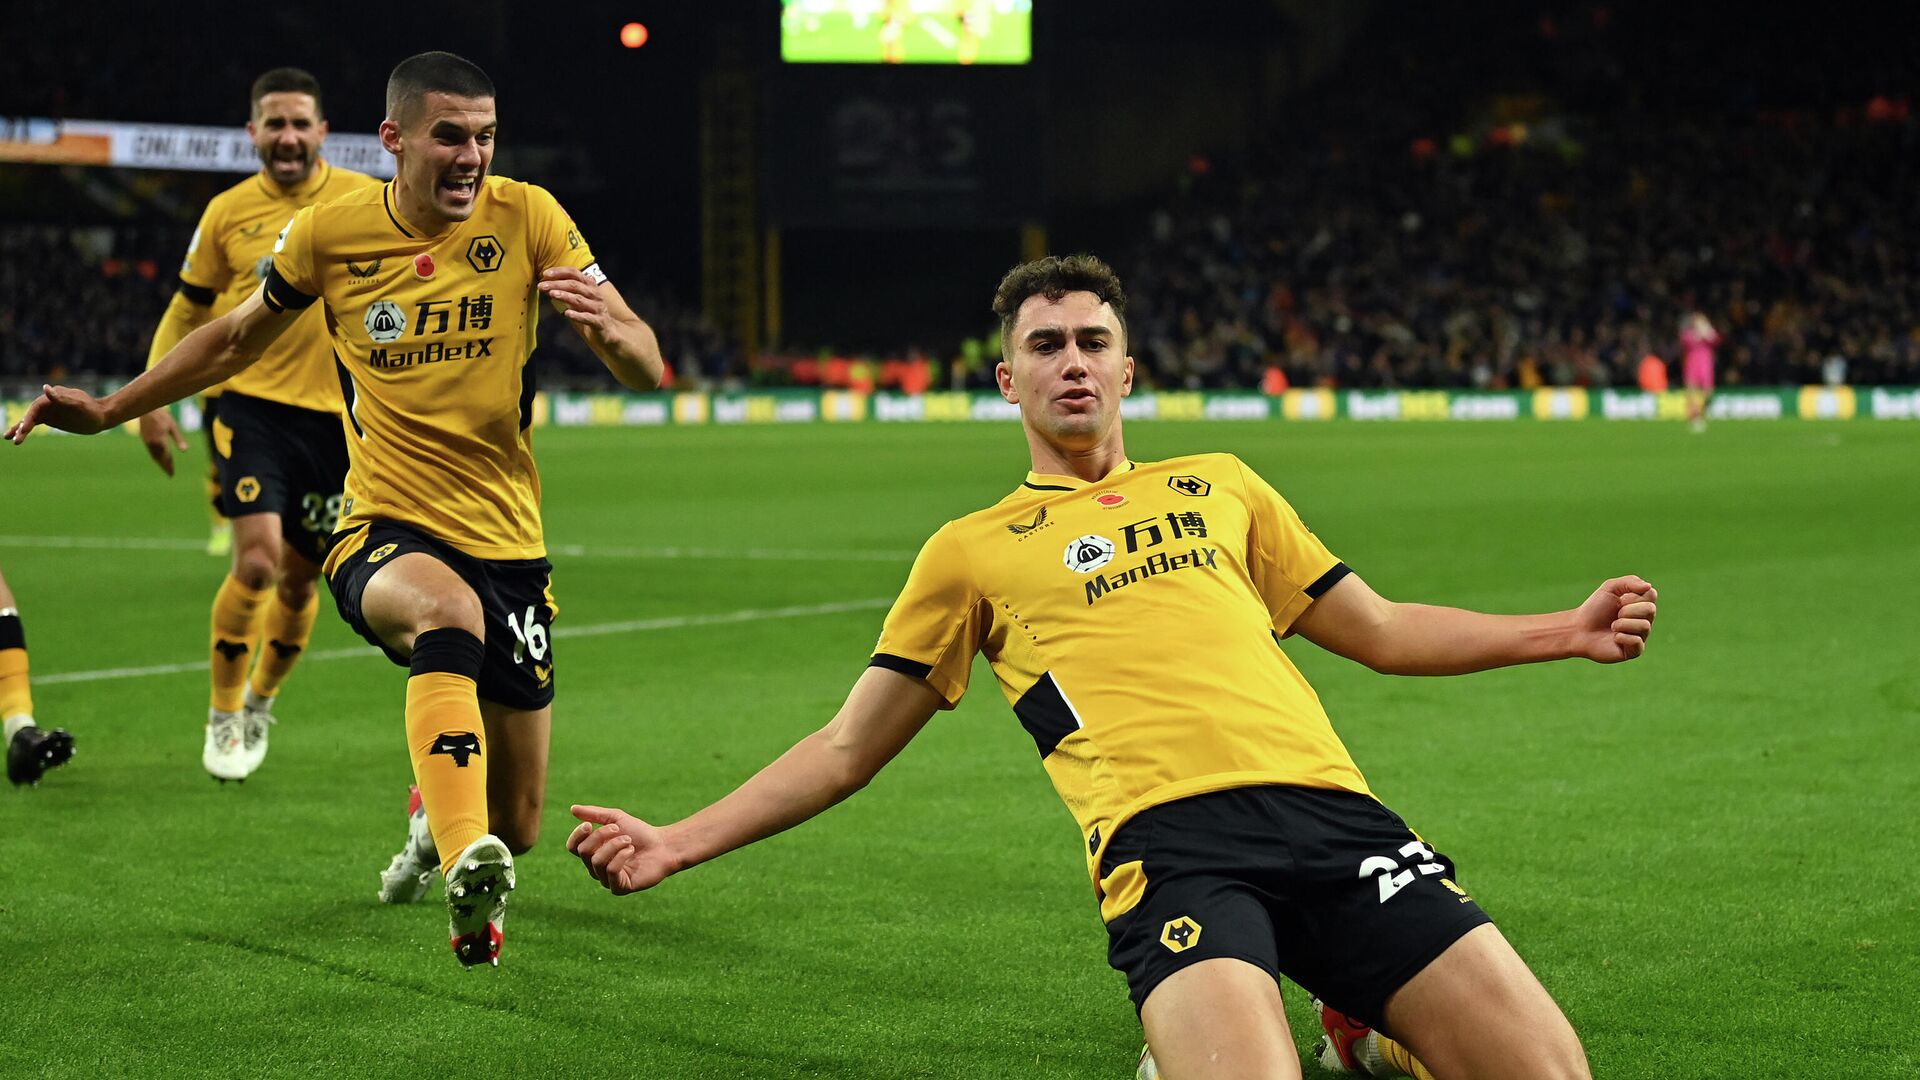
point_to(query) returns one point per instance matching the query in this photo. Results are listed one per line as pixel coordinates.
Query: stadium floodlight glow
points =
(963, 32)
(633, 35)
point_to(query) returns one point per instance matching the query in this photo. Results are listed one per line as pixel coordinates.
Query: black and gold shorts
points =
(283, 460)
(516, 603)
(1328, 888)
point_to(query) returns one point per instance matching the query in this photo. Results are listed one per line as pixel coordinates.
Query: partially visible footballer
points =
(279, 454)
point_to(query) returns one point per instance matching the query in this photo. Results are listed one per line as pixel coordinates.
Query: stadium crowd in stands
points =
(1552, 237)
(82, 303)
(1548, 220)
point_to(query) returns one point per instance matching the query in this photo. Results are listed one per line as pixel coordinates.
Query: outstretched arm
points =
(622, 340)
(189, 310)
(211, 354)
(883, 713)
(1418, 639)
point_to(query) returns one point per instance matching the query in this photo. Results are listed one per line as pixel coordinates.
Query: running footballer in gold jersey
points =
(431, 334)
(227, 261)
(1133, 614)
(278, 455)
(429, 288)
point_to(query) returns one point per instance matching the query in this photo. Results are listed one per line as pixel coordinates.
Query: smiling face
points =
(287, 132)
(443, 144)
(1067, 368)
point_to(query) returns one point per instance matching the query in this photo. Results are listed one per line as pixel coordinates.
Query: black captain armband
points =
(901, 664)
(281, 296)
(1327, 580)
(196, 294)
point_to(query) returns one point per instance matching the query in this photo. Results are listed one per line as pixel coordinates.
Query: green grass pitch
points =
(1708, 855)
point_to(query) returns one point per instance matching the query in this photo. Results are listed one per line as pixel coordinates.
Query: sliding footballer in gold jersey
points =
(1134, 626)
(431, 334)
(1133, 615)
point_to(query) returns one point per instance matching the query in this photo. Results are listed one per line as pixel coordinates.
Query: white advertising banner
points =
(165, 146)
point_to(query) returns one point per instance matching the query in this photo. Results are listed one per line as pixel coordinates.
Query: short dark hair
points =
(430, 72)
(284, 80)
(1054, 277)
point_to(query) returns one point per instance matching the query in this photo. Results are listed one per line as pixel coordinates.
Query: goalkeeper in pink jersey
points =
(1699, 338)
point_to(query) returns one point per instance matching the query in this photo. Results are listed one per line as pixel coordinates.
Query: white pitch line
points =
(630, 626)
(571, 551)
(104, 543)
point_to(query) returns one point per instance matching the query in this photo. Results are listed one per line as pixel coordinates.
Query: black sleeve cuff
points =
(281, 296)
(196, 294)
(901, 664)
(1327, 581)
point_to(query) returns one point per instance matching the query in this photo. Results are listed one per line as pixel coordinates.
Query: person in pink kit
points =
(1699, 338)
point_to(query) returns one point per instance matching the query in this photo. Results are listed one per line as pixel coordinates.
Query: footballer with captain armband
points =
(431, 286)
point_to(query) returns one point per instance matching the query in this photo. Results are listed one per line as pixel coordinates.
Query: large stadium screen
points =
(906, 31)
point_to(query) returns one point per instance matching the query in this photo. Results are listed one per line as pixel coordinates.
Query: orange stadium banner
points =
(163, 146)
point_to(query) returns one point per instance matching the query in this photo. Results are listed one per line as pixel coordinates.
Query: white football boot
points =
(477, 889)
(407, 878)
(225, 753)
(256, 716)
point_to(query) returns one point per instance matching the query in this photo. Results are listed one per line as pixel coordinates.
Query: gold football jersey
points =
(228, 258)
(431, 334)
(1134, 624)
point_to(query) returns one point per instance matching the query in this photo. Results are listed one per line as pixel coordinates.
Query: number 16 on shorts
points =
(529, 636)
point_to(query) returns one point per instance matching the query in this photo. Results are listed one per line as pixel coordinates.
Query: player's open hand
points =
(161, 436)
(61, 407)
(623, 853)
(1617, 619)
(579, 296)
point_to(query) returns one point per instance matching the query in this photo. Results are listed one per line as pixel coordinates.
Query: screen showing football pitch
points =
(906, 31)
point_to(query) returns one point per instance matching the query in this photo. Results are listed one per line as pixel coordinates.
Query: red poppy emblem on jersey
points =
(423, 266)
(1110, 500)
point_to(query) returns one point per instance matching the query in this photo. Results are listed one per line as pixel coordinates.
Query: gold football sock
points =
(446, 738)
(236, 626)
(283, 637)
(1399, 1058)
(15, 698)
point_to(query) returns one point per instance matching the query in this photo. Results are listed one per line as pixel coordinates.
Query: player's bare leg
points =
(415, 593)
(517, 780)
(256, 549)
(1220, 1019)
(1478, 1011)
(425, 611)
